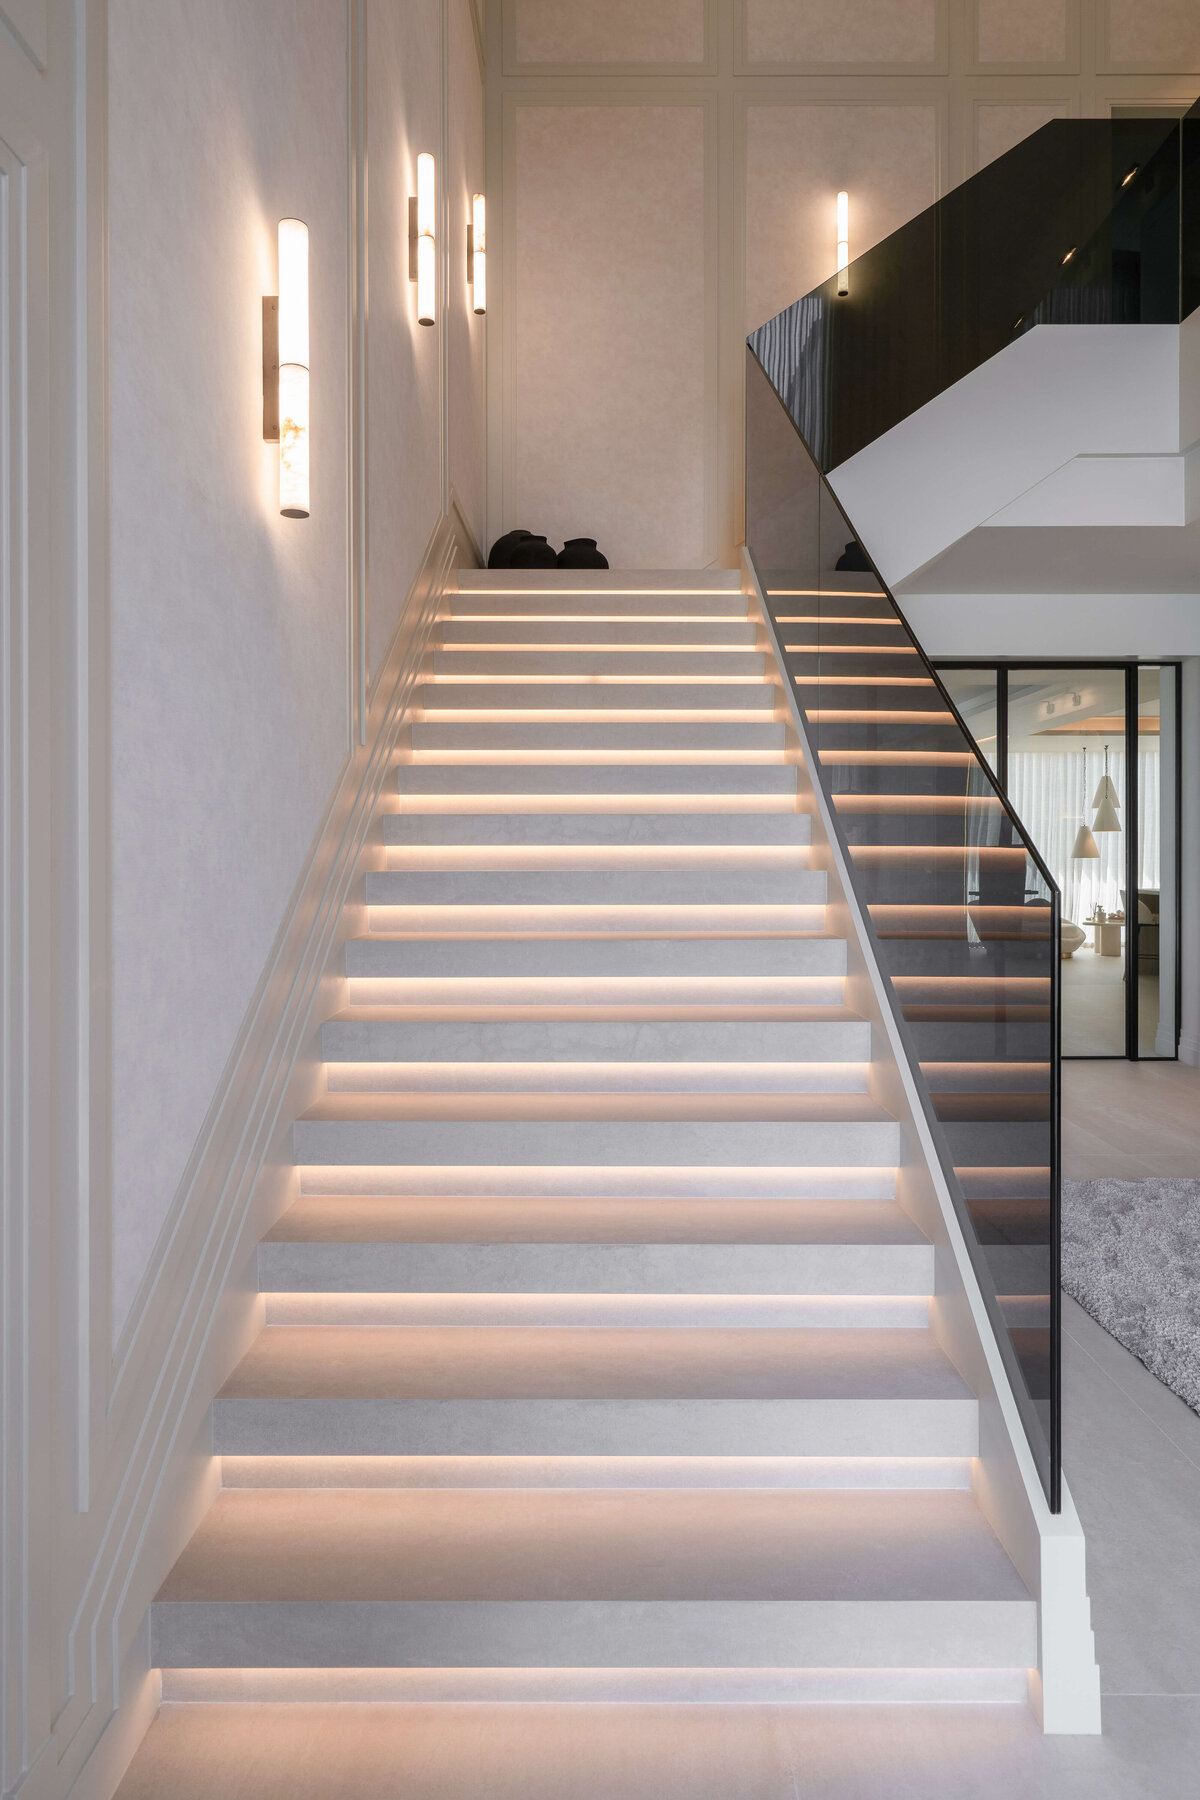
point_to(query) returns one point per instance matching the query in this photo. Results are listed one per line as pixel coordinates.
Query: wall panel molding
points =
(1025, 79)
(1032, 14)
(1166, 33)
(512, 64)
(937, 63)
(197, 1307)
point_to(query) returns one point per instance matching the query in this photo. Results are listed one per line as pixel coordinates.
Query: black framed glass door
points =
(1089, 756)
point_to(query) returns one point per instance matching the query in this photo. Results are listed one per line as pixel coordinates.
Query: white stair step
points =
(524, 1219)
(588, 1391)
(622, 634)
(711, 737)
(593, 1580)
(632, 663)
(646, 1043)
(516, 1270)
(749, 696)
(615, 1132)
(596, 778)
(623, 829)
(598, 887)
(791, 969)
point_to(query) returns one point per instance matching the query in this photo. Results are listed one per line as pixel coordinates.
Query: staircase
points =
(597, 1359)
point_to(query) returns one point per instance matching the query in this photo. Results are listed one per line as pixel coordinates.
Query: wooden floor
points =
(1130, 1120)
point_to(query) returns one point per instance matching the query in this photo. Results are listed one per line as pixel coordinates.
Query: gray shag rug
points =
(1131, 1257)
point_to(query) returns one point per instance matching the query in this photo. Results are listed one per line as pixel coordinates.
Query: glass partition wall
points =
(957, 906)
(1064, 742)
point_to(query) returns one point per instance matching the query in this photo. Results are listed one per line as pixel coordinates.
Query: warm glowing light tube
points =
(293, 369)
(843, 242)
(479, 253)
(426, 253)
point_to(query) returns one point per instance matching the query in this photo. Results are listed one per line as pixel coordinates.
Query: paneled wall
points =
(662, 176)
(244, 644)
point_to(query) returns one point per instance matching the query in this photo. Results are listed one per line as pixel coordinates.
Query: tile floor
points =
(1132, 1454)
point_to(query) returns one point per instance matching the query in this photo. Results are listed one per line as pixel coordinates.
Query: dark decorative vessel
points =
(502, 549)
(581, 553)
(533, 553)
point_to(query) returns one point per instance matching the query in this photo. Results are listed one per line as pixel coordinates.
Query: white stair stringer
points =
(600, 1356)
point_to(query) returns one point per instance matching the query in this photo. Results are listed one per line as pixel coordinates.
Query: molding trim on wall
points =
(357, 535)
(702, 98)
(938, 64)
(956, 80)
(1106, 64)
(29, 24)
(511, 64)
(198, 1305)
(1070, 64)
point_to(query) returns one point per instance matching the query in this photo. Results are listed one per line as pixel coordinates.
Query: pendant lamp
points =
(1085, 844)
(1106, 802)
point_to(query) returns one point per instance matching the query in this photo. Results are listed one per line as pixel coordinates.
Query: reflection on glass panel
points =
(1154, 916)
(973, 691)
(1066, 780)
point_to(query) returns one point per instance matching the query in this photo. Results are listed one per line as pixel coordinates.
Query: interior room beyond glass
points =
(1064, 742)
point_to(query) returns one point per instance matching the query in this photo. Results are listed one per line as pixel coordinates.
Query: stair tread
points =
(464, 1219)
(381, 1544)
(312, 1362)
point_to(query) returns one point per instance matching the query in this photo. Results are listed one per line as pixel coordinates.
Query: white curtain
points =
(1051, 792)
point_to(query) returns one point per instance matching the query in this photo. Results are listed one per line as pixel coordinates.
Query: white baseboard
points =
(198, 1305)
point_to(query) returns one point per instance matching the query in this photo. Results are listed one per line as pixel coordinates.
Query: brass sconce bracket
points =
(270, 322)
(412, 237)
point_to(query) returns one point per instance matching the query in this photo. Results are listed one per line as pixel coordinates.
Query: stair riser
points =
(710, 1152)
(597, 778)
(633, 888)
(597, 1078)
(714, 737)
(749, 696)
(624, 664)
(682, 634)
(640, 831)
(840, 1042)
(609, 1634)
(595, 1427)
(580, 1269)
(772, 963)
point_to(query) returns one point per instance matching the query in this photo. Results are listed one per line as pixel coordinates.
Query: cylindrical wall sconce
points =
(285, 369)
(843, 242)
(477, 253)
(422, 253)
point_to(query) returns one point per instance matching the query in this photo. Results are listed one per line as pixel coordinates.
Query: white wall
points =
(190, 761)
(229, 641)
(624, 283)
(233, 691)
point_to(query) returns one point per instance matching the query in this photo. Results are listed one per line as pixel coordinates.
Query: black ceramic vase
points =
(581, 553)
(502, 549)
(533, 553)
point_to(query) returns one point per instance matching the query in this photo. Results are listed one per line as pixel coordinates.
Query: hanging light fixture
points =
(1106, 802)
(1085, 846)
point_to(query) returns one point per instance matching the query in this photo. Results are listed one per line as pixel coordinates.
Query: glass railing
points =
(962, 913)
(1087, 221)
